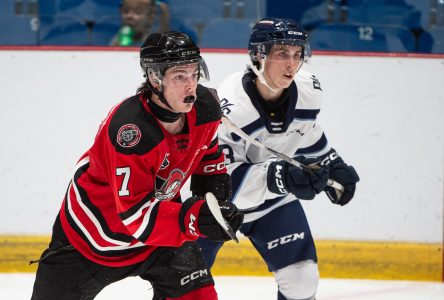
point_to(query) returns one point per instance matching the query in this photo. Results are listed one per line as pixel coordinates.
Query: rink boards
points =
(337, 259)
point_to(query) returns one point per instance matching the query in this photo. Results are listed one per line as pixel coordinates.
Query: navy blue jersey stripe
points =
(316, 147)
(238, 176)
(306, 114)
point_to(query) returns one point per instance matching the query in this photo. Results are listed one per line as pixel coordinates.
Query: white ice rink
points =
(19, 286)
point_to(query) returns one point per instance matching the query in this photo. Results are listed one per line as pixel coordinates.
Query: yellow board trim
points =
(337, 259)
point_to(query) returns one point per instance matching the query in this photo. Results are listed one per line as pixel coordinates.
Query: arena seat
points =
(383, 12)
(196, 11)
(294, 9)
(6, 8)
(18, 30)
(432, 41)
(87, 10)
(250, 9)
(64, 31)
(227, 33)
(104, 30)
(186, 27)
(349, 37)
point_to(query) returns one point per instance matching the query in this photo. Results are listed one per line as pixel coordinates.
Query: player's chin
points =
(284, 82)
(184, 107)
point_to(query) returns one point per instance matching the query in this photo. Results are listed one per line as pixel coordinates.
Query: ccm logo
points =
(285, 239)
(191, 225)
(279, 182)
(193, 276)
(215, 167)
(295, 32)
(327, 160)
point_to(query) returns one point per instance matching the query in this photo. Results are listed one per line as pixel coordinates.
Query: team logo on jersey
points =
(165, 162)
(128, 135)
(169, 187)
(225, 106)
(316, 83)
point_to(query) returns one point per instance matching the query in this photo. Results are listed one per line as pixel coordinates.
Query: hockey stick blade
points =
(242, 134)
(213, 205)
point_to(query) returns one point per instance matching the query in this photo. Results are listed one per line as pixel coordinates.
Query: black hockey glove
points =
(340, 172)
(196, 219)
(345, 175)
(219, 185)
(284, 178)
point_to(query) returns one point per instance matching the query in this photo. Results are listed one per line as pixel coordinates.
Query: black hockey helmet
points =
(162, 51)
(159, 52)
(270, 31)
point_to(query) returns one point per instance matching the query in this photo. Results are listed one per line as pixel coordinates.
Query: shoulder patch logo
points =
(128, 135)
(225, 106)
(316, 83)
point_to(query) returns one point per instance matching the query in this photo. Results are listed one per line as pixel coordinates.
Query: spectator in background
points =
(139, 20)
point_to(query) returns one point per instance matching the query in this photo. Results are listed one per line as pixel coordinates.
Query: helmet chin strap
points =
(162, 113)
(260, 76)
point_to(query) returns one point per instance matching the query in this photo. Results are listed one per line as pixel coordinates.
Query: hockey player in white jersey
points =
(277, 103)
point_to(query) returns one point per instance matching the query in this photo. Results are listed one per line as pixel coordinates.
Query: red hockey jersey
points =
(121, 204)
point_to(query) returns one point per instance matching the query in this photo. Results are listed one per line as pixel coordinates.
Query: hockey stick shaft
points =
(233, 127)
(214, 207)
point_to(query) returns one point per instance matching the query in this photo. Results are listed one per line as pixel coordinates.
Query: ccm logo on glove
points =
(279, 180)
(214, 167)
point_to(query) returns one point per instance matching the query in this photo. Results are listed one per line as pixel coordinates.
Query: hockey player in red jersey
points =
(122, 214)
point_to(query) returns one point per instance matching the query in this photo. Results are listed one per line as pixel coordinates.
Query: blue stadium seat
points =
(348, 37)
(18, 30)
(195, 14)
(80, 9)
(186, 27)
(64, 31)
(6, 8)
(388, 12)
(317, 15)
(250, 9)
(227, 33)
(424, 9)
(437, 15)
(104, 29)
(308, 13)
(196, 11)
(294, 9)
(432, 41)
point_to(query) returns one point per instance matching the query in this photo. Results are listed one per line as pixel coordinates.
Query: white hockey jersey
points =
(298, 134)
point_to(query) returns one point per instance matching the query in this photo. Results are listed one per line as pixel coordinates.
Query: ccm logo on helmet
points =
(295, 32)
(214, 167)
(189, 52)
(285, 239)
(193, 276)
